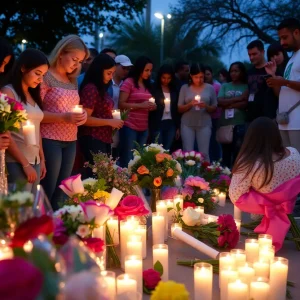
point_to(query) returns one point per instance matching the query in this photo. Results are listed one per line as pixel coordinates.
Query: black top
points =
(265, 102)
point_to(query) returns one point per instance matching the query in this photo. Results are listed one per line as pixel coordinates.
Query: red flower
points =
(226, 222)
(229, 235)
(205, 164)
(31, 229)
(187, 204)
(94, 244)
(131, 206)
(151, 279)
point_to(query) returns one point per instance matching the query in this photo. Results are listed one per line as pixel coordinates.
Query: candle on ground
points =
(222, 199)
(99, 232)
(134, 267)
(110, 280)
(152, 100)
(278, 278)
(77, 109)
(260, 289)
(116, 114)
(133, 220)
(238, 224)
(126, 283)
(264, 240)
(134, 245)
(252, 250)
(141, 230)
(203, 278)
(267, 253)
(162, 208)
(29, 133)
(200, 209)
(226, 262)
(167, 105)
(113, 226)
(178, 199)
(239, 256)
(173, 227)
(237, 213)
(6, 253)
(28, 246)
(158, 228)
(237, 290)
(246, 274)
(262, 268)
(226, 275)
(161, 254)
(170, 208)
(126, 228)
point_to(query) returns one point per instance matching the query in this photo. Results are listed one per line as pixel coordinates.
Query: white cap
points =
(123, 60)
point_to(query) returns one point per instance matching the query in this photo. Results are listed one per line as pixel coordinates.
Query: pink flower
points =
(177, 154)
(94, 210)
(94, 244)
(187, 192)
(60, 236)
(72, 185)
(131, 206)
(224, 178)
(199, 156)
(169, 193)
(187, 204)
(196, 181)
(226, 222)
(151, 278)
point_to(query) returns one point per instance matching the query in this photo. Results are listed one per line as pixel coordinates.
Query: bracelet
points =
(26, 166)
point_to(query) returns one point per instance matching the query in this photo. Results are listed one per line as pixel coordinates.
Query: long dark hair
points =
(138, 69)
(274, 49)
(94, 74)
(165, 69)
(262, 140)
(28, 60)
(6, 50)
(243, 71)
(194, 70)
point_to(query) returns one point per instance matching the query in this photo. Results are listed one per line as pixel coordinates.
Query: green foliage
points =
(159, 268)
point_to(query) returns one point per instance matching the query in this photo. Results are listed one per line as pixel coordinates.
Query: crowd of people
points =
(204, 114)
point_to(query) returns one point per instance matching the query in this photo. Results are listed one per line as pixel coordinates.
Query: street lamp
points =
(23, 44)
(161, 17)
(101, 36)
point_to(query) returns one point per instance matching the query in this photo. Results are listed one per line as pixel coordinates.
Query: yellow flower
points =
(17, 125)
(170, 290)
(101, 194)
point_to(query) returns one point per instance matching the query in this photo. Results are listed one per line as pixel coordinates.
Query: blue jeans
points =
(166, 134)
(60, 157)
(215, 149)
(127, 138)
(16, 175)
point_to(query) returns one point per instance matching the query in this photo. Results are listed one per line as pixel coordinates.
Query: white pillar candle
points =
(170, 208)
(141, 230)
(178, 199)
(209, 251)
(134, 267)
(265, 240)
(216, 192)
(116, 114)
(238, 224)
(262, 268)
(278, 278)
(110, 280)
(99, 232)
(152, 100)
(126, 283)
(239, 256)
(267, 253)
(203, 278)
(6, 253)
(226, 275)
(134, 245)
(28, 247)
(226, 261)
(126, 228)
(200, 209)
(114, 198)
(237, 213)
(222, 199)
(29, 133)
(246, 274)
(113, 226)
(167, 105)
(252, 250)
(175, 225)
(237, 290)
(158, 228)
(77, 109)
(161, 254)
(260, 289)
(198, 98)
(162, 208)
(133, 220)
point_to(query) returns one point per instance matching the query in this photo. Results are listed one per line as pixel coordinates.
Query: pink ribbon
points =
(275, 207)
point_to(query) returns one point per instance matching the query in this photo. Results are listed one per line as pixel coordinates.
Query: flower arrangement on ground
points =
(170, 290)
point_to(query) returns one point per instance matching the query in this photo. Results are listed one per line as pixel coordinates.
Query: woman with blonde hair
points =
(59, 92)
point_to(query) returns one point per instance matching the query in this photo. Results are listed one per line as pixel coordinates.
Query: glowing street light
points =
(159, 15)
(23, 44)
(101, 35)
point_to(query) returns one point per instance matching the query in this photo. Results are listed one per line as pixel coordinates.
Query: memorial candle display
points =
(200, 209)
(110, 280)
(222, 199)
(267, 253)
(134, 267)
(170, 205)
(252, 250)
(158, 228)
(141, 230)
(113, 226)
(167, 105)
(126, 283)
(77, 109)
(262, 268)
(133, 220)
(29, 133)
(126, 228)
(239, 256)
(246, 274)
(226, 275)
(162, 208)
(203, 278)
(161, 254)
(237, 290)
(278, 278)
(264, 240)
(116, 114)
(99, 232)
(260, 289)
(178, 199)
(134, 245)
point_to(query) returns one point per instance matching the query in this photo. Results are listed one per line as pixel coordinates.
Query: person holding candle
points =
(134, 96)
(25, 159)
(196, 124)
(165, 120)
(96, 134)
(59, 92)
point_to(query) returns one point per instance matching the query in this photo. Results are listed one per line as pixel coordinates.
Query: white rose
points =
(133, 162)
(178, 167)
(226, 171)
(21, 197)
(7, 108)
(155, 147)
(191, 217)
(1, 107)
(89, 181)
(3, 97)
(190, 162)
(186, 154)
(192, 153)
(58, 213)
(201, 200)
(74, 211)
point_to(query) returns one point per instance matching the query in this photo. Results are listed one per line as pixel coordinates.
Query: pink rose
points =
(94, 244)
(226, 222)
(131, 206)
(187, 192)
(177, 154)
(151, 279)
(187, 204)
(196, 181)
(72, 185)
(97, 211)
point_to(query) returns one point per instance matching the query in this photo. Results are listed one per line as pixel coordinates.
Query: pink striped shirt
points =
(137, 118)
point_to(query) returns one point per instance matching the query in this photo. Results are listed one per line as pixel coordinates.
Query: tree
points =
(235, 20)
(43, 23)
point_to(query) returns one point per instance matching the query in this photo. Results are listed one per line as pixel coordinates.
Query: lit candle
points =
(267, 253)
(260, 289)
(203, 278)
(6, 253)
(246, 274)
(200, 210)
(162, 208)
(173, 227)
(141, 230)
(278, 278)
(113, 226)
(161, 254)
(134, 267)
(237, 290)
(226, 275)
(264, 240)
(152, 100)
(222, 199)
(158, 228)
(77, 109)
(262, 268)
(252, 250)
(29, 133)
(170, 206)
(237, 213)
(126, 283)
(167, 105)
(114, 198)
(133, 220)
(226, 262)
(110, 280)
(238, 224)
(178, 199)
(99, 232)
(27, 247)
(239, 256)
(216, 192)
(126, 228)
(134, 245)
(211, 219)
(116, 114)
(198, 98)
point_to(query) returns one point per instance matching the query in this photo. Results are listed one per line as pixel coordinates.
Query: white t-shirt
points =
(288, 97)
(167, 116)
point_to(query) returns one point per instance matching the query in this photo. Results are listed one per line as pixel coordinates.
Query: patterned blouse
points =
(284, 170)
(58, 97)
(102, 109)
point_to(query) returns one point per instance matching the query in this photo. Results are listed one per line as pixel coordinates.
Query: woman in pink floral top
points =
(59, 92)
(96, 134)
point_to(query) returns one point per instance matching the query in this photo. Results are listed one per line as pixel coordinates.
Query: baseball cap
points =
(123, 60)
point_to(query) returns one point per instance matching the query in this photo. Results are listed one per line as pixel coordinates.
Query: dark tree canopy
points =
(43, 22)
